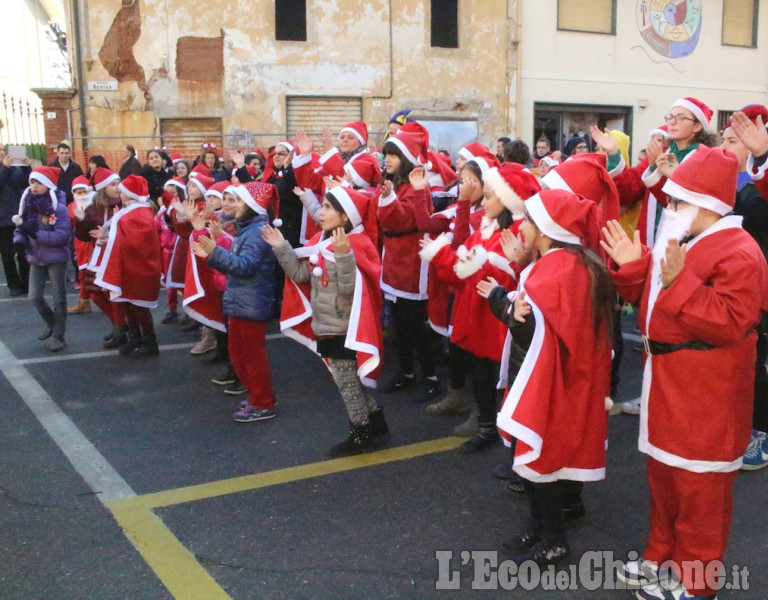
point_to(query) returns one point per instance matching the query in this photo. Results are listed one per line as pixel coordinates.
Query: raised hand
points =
(326, 138)
(418, 178)
(215, 229)
(340, 241)
(272, 236)
(237, 157)
(304, 143)
(604, 139)
(753, 135)
(672, 262)
(486, 286)
(386, 188)
(522, 308)
(654, 149)
(188, 209)
(512, 246)
(468, 189)
(666, 163)
(618, 245)
(331, 183)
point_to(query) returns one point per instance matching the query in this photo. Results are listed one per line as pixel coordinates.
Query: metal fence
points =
(21, 120)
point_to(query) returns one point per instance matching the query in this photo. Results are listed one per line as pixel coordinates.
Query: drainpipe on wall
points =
(75, 5)
(518, 66)
(391, 63)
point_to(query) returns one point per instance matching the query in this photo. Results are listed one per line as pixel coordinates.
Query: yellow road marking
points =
(175, 566)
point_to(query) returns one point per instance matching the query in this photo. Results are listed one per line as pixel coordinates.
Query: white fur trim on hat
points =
(554, 181)
(107, 180)
(359, 181)
(697, 199)
(287, 145)
(546, 224)
(347, 204)
(464, 153)
(246, 197)
(429, 252)
(404, 149)
(482, 163)
(658, 131)
(354, 132)
(178, 184)
(506, 194)
(130, 194)
(216, 193)
(467, 266)
(199, 185)
(697, 112)
(40, 178)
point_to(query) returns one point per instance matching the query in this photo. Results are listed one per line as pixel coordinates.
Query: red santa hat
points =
(217, 189)
(701, 111)
(102, 177)
(513, 185)
(286, 144)
(358, 129)
(48, 176)
(81, 183)
(411, 145)
(565, 217)
(419, 129)
(707, 178)
(441, 166)
(357, 207)
(201, 169)
(481, 155)
(260, 197)
(364, 170)
(752, 111)
(177, 182)
(662, 130)
(202, 182)
(135, 187)
(586, 175)
(176, 157)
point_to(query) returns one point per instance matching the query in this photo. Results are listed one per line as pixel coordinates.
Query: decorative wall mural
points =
(670, 27)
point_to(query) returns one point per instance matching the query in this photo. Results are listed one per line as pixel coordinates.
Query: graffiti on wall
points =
(670, 27)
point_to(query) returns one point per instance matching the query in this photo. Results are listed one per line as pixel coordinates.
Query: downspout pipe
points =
(75, 4)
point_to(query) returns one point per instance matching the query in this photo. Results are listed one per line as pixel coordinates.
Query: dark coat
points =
(155, 180)
(67, 177)
(13, 182)
(250, 270)
(132, 166)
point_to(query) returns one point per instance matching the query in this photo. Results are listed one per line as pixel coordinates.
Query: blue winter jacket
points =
(50, 243)
(250, 270)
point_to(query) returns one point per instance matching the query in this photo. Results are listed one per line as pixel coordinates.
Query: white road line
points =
(103, 353)
(103, 480)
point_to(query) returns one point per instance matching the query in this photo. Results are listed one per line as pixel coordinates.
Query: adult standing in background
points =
(131, 164)
(13, 180)
(70, 170)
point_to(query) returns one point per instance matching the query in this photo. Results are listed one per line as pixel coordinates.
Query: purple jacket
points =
(51, 244)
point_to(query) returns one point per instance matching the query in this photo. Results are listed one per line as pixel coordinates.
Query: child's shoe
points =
(250, 414)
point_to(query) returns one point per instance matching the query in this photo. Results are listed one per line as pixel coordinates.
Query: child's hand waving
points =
(272, 236)
(522, 308)
(203, 247)
(340, 241)
(486, 286)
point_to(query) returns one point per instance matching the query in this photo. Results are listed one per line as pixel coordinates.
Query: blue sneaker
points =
(249, 415)
(756, 456)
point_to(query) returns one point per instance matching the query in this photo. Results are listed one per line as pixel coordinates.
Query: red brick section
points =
(57, 101)
(200, 59)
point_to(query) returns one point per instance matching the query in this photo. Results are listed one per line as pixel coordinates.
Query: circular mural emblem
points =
(670, 27)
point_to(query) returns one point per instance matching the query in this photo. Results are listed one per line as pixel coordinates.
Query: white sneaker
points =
(638, 573)
(631, 407)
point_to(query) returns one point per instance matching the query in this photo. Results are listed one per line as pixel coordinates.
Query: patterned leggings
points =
(357, 399)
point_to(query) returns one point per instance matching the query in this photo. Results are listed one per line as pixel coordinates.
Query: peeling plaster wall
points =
(347, 53)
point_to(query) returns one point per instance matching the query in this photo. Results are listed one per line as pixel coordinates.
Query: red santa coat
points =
(364, 332)
(130, 266)
(556, 407)
(175, 274)
(758, 176)
(403, 217)
(475, 329)
(696, 405)
(202, 298)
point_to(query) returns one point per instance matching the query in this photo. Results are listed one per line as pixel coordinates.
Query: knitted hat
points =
(135, 187)
(358, 129)
(364, 170)
(701, 111)
(103, 177)
(571, 144)
(411, 145)
(201, 169)
(480, 154)
(81, 183)
(48, 176)
(359, 208)
(586, 175)
(202, 182)
(217, 189)
(706, 178)
(662, 130)
(260, 197)
(177, 182)
(513, 185)
(401, 117)
(565, 217)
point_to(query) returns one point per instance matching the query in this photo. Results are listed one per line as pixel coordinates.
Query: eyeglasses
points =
(677, 118)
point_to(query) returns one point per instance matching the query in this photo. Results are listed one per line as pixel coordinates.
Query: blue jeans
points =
(56, 319)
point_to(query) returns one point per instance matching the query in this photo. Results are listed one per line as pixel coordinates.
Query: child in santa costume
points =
(249, 297)
(130, 268)
(480, 256)
(334, 288)
(752, 132)
(700, 303)
(403, 215)
(175, 189)
(43, 228)
(556, 407)
(82, 193)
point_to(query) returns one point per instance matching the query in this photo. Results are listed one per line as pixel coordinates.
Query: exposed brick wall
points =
(200, 59)
(55, 101)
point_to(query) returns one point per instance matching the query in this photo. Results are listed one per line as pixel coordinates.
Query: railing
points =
(22, 121)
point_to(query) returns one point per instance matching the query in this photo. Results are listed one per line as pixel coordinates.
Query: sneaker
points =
(637, 573)
(428, 390)
(235, 389)
(631, 407)
(56, 344)
(399, 384)
(249, 415)
(45, 334)
(756, 456)
(170, 317)
(226, 378)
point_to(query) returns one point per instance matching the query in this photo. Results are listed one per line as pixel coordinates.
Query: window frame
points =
(755, 16)
(613, 22)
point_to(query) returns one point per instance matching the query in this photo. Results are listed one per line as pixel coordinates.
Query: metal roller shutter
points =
(195, 132)
(312, 113)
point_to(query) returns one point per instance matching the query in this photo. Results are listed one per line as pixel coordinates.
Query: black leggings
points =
(484, 373)
(547, 501)
(413, 336)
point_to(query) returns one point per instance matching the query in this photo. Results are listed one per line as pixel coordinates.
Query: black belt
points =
(397, 234)
(653, 347)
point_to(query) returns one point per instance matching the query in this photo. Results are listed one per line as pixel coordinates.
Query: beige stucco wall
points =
(621, 69)
(347, 54)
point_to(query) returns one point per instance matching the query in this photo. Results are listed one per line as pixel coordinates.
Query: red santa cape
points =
(201, 300)
(364, 333)
(556, 407)
(130, 267)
